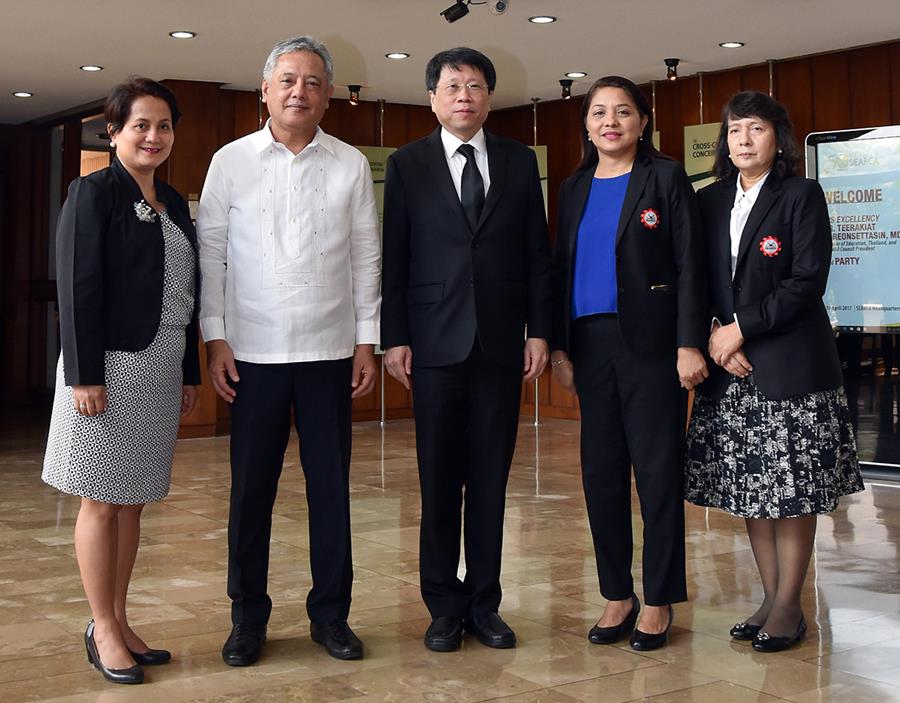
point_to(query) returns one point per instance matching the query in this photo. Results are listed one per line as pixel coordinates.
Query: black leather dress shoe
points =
(644, 642)
(131, 675)
(337, 637)
(763, 642)
(444, 634)
(609, 635)
(244, 645)
(744, 631)
(491, 631)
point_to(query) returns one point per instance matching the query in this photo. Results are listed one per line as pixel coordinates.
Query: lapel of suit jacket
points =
(440, 171)
(581, 189)
(721, 238)
(640, 171)
(497, 167)
(768, 194)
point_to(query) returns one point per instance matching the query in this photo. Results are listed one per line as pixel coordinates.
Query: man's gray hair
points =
(288, 46)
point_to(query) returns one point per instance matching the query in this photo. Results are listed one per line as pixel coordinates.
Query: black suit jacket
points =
(443, 283)
(782, 268)
(660, 270)
(109, 273)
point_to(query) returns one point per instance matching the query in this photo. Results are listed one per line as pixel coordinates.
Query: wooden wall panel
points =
(831, 91)
(354, 124)
(668, 119)
(894, 87)
(755, 78)
(793, 88)
(869, 74)
(717, 90)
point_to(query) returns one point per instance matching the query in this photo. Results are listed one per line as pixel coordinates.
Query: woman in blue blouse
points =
(630, 317)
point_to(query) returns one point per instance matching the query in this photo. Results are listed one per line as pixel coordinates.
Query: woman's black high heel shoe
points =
(644, 642)
(744, 631)
(609, 635)
(766, 643)
(131, 675)
(152, 657)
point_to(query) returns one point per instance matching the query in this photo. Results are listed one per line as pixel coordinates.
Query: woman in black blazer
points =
(770, 437)
(126, 280)
(630, 304)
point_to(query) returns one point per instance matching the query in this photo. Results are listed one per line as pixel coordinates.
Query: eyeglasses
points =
(475, 89)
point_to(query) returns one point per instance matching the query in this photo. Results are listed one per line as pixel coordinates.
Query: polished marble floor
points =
(852, 599)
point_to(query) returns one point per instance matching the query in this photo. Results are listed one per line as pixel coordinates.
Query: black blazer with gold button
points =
(109, 268)
(660, 271)
(782, 267)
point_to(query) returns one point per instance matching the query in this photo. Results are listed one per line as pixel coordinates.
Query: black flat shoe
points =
(337, 638)
(444, 634)
(244, 645)
(131, 675)
(609, 635)
(491, 631)
(763, 642)
(643, 642)
(744, 631)
(152, 657)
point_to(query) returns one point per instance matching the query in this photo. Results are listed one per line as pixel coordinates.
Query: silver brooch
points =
(144, 212)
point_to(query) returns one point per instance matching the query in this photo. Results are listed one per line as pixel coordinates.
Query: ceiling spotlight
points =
(90, 67)
(671, 69)
(731, 44)
(576, 74)
(23, 94)
(456, 11)
(566, 84)
(354, 93)
(397, 55)
(182, 34)
(542, 19)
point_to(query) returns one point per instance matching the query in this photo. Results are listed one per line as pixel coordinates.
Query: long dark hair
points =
(645, 146)
(751, 103)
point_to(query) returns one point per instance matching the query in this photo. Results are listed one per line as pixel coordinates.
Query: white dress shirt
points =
(457, 162)
(289, 250)
(743, 204)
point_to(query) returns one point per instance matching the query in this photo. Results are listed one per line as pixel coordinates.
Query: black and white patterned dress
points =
(756, 457)
(124, 455)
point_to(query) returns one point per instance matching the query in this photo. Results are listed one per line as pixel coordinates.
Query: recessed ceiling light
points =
(397, 55)
(731, 44)
(182, 34)
(91, 67)
(576, 74)
(541, 19)
(23, 94)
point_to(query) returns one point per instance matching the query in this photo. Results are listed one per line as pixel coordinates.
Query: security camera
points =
(498, 7)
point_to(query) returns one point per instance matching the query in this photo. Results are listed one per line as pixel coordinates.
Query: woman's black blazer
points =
(782, 268)
(109, 273)
(660, 263)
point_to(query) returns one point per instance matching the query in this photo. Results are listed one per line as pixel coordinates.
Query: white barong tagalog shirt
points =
(289, 249)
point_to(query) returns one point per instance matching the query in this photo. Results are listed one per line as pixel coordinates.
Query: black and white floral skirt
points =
(755, 457)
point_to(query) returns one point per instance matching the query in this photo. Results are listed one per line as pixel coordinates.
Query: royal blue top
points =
(594, 283)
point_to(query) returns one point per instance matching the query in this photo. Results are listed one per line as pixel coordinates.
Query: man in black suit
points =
(466, 270)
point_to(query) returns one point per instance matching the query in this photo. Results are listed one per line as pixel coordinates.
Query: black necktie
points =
(472, 189)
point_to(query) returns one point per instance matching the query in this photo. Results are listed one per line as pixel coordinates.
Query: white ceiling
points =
(43, 42)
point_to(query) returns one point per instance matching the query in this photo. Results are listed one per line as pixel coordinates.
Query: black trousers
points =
(319, 393)
(632, 414)
(467, 417)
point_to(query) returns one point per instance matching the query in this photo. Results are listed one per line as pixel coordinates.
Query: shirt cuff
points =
(368, 332)
(712, 324)
(738, 324)
(212, 328)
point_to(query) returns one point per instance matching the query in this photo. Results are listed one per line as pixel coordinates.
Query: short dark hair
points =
(645, 146)
(751, 103)
(117, 109)
(454, 58)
